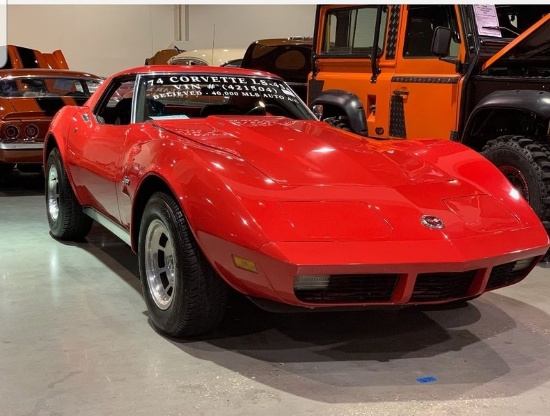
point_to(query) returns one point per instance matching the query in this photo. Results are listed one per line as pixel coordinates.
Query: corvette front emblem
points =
(431, 222)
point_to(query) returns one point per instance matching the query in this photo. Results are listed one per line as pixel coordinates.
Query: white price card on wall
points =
(3, 33)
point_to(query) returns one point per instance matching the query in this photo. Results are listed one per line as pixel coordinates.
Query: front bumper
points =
(339, 274)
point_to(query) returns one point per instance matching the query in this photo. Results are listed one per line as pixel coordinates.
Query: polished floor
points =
(75, 339)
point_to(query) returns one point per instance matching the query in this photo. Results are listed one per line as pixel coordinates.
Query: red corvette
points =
(222, 177)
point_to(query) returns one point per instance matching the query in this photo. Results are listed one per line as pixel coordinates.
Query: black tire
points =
(6, 168)
(341, 122)
(30, 167)
(184, 295)
(526, 164)
(65, 216)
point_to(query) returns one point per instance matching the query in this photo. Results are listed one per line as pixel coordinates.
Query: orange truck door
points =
(425, 91)
(343, 51)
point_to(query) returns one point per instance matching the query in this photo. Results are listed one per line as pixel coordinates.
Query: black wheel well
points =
(51, 142)
(343, 103)
(150, 185)
(489, 123)
(332, 110)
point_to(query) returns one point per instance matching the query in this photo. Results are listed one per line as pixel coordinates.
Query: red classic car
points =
(29, 98)
(222, 177)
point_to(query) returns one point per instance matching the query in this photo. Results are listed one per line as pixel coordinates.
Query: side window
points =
(116, 105)
(350, 32)
(421, 23)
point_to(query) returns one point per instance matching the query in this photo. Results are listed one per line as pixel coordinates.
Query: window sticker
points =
(186, 86)
(487, 20)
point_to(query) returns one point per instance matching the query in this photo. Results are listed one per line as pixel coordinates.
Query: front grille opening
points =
(442, 286)
(345, 288)
(509, 273)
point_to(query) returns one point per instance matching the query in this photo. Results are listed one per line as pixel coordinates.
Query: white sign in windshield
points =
(487, 20)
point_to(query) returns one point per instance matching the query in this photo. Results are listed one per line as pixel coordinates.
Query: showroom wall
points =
(98, 39)
(103, 39)
(236, 26)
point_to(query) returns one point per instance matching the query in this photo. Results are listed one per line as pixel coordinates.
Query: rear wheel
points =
(526, 164)
(65, 216)
(183, 293)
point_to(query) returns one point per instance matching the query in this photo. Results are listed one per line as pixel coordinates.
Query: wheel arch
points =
(517, 112)
(147, 188)
(49, 143)
(341, 102)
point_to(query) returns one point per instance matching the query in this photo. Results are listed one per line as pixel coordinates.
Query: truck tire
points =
(526, 164)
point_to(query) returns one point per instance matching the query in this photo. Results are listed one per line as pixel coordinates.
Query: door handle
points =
(401, 93)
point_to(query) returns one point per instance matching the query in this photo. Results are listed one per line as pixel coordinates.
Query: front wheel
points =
(66, 219)
(526, 164)
(183, 293)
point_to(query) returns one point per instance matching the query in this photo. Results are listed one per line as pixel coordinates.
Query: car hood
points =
(532, 43)
(349, 188)
(299, 152)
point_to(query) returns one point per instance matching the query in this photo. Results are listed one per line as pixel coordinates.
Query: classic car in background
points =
(222, 177)
(21, 57)
(214, 57)
(161, 57)
(29, 98)
(211, 57)
(290, 58)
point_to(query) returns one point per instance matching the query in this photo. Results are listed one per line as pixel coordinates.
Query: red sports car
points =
(222, 177)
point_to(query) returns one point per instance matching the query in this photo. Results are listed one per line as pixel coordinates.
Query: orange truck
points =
(477, 74)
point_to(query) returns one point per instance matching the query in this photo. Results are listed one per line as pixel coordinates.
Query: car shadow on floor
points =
(486, 348)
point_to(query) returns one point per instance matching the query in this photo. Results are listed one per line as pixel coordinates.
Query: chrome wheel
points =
(160, 264)
(53, 193)
(183, 293)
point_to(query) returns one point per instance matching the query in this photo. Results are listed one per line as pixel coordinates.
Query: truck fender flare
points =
(341, 102)
(527, 101)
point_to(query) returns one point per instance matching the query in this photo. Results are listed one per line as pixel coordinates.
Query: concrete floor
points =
(75, 339)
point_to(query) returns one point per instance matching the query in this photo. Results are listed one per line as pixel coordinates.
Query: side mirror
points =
(441, 41)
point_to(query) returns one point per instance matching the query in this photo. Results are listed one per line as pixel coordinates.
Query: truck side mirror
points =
(441, 41)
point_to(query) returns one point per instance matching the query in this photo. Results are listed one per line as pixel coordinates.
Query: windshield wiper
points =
(501, 28)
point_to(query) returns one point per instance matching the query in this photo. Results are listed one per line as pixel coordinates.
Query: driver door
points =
(97, 144)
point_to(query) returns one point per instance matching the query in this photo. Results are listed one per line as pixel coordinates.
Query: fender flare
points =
(346, 102)
(528, 101)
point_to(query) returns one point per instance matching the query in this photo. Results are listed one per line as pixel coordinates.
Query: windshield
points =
(200, 95)
(37, 86)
